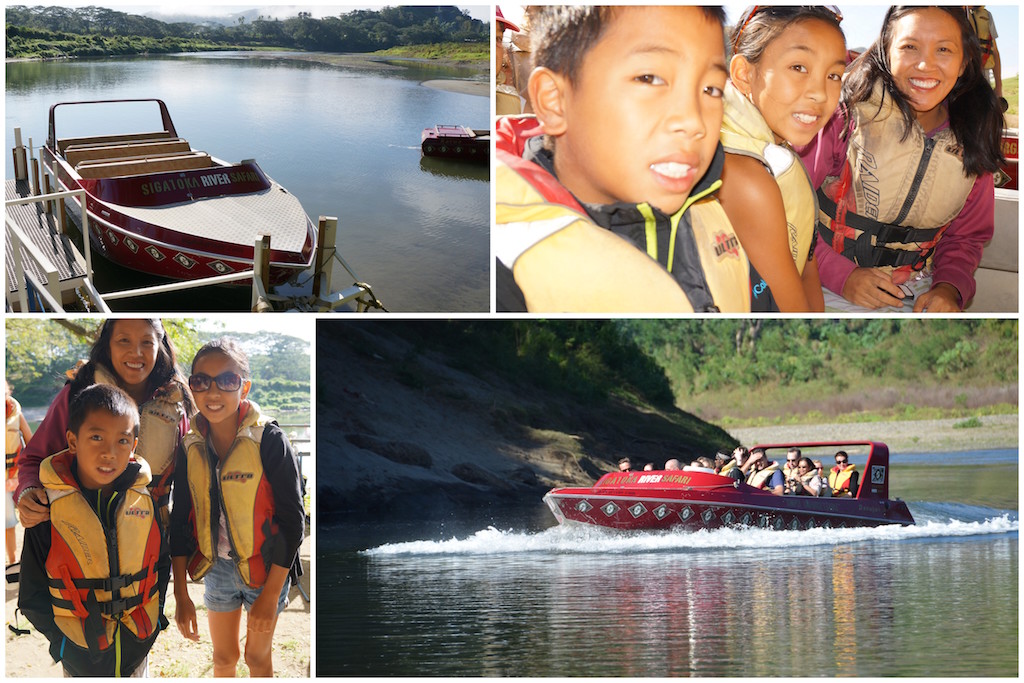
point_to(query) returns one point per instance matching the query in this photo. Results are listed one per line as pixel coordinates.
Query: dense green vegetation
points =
(93, 31)
(734, 371)
(40, 351)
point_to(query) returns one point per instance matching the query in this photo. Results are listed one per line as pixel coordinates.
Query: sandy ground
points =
(478, 88)
(27, 656)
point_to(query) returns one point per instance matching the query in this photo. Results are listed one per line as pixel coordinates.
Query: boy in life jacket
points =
(238, 519)
(91, 576)
(605, 201)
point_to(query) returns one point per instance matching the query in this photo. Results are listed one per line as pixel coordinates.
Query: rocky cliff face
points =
(401, 432)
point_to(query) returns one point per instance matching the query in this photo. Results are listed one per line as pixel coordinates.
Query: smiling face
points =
(102, 447)
(641, 121)
(216, 404)
(796, 82)
(926, 57)
(134, 345)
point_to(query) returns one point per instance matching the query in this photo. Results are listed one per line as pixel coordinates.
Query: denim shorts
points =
(226, 592)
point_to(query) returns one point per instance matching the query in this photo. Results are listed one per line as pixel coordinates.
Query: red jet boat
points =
(158, 206)
(456, 142)
(701, 500)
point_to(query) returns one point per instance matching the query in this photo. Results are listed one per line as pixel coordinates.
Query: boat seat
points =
(64, 143)
(76, 154)
(102, 168)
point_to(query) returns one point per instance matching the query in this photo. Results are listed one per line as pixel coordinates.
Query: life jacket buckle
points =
(922, 260)
(118, 582)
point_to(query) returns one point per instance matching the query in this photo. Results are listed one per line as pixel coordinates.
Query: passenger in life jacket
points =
(842, 478)
(18, 434)
(789, 468)
(735, 464)
(991, 65)
(906, 168)
(507, 99)
(808, 482)
(238, 518)
(765, 474)
(605, 201)
(785, 77)
(138, 356)
(92, 575)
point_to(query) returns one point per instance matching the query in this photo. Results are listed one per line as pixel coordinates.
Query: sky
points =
(863, 22)
(228, 7)
(292, 324)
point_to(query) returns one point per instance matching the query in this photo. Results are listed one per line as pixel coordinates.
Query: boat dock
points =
(45, 270)
(47, 254)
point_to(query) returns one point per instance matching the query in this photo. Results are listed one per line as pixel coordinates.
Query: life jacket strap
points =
(886, 233)
(873, 254)
(112, 608)
(110, 583)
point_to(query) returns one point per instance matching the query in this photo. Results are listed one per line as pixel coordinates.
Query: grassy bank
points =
(455, 52)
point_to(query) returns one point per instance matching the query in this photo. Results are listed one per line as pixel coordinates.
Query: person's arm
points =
(33, 586)
(184, 608)
(778, 483)
(26, 431)
(812, 284)
(753, 202)
(959, 251)
(997, 68)
(264, 607)
(50, 438)
(180, 533)
(281, 468)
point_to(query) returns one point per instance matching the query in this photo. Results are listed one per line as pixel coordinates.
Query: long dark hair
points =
(164, 370)
(974, 113)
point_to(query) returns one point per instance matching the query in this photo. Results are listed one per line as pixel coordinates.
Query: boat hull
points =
(741, 507)
(694, 500)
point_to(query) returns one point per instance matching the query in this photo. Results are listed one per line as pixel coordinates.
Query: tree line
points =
(94, 31)
(697, 362)
(40, 352)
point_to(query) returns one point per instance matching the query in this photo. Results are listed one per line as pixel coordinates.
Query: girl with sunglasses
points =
(785, 76)
(905, 168)
(238, 518)
(135, 355)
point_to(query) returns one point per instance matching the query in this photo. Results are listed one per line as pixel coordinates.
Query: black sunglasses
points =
(226, 381)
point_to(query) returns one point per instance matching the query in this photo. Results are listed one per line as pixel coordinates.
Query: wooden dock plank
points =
(43, 232)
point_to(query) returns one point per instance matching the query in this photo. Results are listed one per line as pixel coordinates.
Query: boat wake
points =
(934, 520)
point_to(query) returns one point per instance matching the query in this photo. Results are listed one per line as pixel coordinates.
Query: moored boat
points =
(159, 206)
(693, 500)
(456, 142)
(1008, 178)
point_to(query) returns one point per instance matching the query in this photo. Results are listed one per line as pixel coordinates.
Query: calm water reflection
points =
(344, 140)
(937, 599)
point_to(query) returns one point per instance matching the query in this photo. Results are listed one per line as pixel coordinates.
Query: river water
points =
(514, 596)
(344, 140)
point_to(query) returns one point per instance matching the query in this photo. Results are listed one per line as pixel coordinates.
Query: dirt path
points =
(27, 656)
